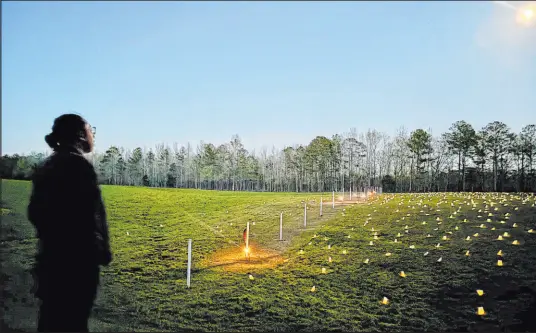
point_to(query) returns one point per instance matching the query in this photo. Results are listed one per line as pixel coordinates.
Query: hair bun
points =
(51, 140)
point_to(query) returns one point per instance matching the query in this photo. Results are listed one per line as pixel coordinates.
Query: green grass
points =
(144, 289)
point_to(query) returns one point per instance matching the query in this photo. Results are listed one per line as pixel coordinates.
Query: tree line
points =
(463, 159)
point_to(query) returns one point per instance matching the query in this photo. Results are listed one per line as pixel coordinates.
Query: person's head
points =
(71, 130)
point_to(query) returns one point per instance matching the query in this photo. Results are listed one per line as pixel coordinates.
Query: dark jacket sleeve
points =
(36, 203)
(101, 233)
(38, 207)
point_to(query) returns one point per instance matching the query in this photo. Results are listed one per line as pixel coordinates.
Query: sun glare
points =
(527, 15)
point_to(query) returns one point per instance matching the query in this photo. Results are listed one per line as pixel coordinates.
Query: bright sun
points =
(527, 15)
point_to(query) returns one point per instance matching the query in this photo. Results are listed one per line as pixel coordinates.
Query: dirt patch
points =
(234, 259)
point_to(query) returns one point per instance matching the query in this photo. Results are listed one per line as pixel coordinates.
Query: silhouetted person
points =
(67, 211)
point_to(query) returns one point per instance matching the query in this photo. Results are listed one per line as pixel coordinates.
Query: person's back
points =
(67, 211)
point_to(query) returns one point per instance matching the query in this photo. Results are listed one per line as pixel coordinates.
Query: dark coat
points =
(67, 211)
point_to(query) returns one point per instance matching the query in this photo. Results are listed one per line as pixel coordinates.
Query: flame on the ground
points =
(234, 260)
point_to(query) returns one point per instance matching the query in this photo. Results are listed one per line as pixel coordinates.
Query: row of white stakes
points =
(189, 268)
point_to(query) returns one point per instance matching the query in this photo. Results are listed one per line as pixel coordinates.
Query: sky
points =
(275, 73)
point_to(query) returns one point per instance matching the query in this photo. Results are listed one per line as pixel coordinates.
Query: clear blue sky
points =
(275, 73)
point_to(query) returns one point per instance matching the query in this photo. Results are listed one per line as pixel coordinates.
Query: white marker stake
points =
(321, 205)
(305, 215)
(247, 237)
(281, 226)
(188, 273)
(333, 200)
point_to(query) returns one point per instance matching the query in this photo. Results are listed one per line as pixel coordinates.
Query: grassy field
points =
(144, 289)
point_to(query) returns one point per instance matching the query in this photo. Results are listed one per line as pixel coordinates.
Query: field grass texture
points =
(397, 262)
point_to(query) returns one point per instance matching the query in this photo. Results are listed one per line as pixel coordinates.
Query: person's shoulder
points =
(44, 166)
(80, 162)
(72, 163)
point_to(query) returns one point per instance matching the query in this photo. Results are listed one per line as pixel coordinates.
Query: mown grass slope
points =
(145, 287)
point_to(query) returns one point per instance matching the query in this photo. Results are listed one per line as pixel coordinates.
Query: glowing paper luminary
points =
(515, 242)
(313, 289)
(481, 311)
(499, 263)
(402, 274)
(500, 253)
(480, 292)
(384, 301)
(467, 254)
